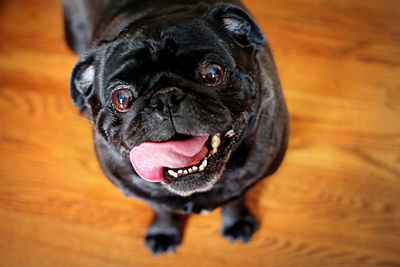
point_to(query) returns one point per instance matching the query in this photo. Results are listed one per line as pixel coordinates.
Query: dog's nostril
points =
(167, 99)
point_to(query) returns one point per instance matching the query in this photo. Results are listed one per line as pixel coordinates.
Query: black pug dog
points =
(186, 104)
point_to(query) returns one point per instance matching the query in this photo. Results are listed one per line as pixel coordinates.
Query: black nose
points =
(167, 99)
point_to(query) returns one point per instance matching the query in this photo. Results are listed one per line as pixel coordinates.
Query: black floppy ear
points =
(81, 83)
(238, 23)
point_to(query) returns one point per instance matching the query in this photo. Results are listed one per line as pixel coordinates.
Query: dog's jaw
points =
(216, 163)
(202, 176)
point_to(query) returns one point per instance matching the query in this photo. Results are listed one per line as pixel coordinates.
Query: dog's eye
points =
(212, 74)
(122, 99)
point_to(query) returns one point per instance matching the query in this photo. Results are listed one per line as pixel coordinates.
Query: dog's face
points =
(173, 92)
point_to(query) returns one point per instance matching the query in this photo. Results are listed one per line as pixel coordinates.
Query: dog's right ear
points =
(81, 83)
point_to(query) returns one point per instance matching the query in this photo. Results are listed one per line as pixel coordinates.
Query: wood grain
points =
(334, 202)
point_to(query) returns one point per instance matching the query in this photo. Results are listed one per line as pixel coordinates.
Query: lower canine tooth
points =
(203, 165)
(172, 173)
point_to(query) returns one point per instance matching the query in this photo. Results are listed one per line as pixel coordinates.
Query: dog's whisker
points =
(265, 116)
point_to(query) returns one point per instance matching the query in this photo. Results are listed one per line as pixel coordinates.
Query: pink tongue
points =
(149, 159)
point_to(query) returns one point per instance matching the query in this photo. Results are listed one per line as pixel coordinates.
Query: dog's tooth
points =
(204, 163)
(180, 172)
(172, 173)
(212, 152)
(185, 172)
(190, 170)
(230, 133)
(195, 169)
(215, 141)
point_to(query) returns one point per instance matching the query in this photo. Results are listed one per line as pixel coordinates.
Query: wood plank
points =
(335, 201)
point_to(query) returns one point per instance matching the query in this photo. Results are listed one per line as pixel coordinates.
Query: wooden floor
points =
(334, 202)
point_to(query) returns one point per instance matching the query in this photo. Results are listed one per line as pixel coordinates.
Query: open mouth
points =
(216, 144)
(181, 157)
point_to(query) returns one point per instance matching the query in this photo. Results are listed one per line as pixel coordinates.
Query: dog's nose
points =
(167, 99)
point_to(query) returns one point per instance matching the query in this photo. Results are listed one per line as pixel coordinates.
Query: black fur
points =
(156, 48)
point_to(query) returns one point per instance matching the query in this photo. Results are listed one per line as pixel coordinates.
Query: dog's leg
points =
(164, 233)
(237, 221)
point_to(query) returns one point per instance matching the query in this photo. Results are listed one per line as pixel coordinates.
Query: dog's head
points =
(173, 92)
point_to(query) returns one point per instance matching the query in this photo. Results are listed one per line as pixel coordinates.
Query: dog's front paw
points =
(162, 241)
(240, 230)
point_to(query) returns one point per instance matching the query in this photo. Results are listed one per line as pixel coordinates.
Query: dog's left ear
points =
(81, 82)
(238, 23)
